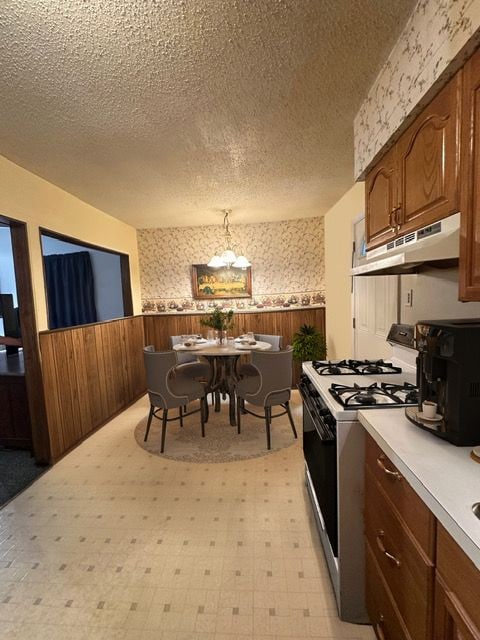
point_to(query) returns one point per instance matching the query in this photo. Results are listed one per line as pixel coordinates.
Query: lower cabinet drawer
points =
(384, 616)
(414, 512)
(407, 571)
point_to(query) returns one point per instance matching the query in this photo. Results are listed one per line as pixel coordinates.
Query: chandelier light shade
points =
(228, 258)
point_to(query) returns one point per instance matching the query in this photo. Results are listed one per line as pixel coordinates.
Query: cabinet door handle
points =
(388, 472)
(379, 628)
(396, 216)
(381, 546)
(390, 218)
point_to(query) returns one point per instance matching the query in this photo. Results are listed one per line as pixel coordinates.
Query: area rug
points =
(17, 471)
(221, 442)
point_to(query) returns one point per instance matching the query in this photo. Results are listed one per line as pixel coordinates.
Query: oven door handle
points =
(325, 439)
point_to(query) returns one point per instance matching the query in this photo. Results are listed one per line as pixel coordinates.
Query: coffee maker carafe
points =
(448, 374)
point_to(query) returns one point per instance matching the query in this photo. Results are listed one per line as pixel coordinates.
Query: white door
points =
(375, 310)
(374, 302)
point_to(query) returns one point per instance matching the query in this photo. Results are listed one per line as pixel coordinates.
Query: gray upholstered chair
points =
(167, 389)
(188, 363)
(247, 369)
(275, 341)
(191, 367)
(270, 386)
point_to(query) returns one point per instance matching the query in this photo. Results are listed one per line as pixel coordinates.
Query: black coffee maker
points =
(448, 374)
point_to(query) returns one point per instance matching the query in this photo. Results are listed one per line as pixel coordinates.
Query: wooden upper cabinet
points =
(469, 272)
(416, 183)
(429, 161)
(381, 200)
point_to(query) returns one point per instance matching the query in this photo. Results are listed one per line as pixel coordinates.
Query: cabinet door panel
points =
(428, 159)
(459, 573)
(470, 196)
(451, 620)
(381, 195)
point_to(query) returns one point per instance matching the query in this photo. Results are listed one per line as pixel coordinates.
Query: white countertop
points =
(443, 475)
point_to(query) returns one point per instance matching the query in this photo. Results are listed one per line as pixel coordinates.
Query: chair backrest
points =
(158, 365)
(182, 358)
(275, 341)
(275, 368)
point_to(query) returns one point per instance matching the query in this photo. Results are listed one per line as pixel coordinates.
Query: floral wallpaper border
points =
(425, 56)
(263, 303)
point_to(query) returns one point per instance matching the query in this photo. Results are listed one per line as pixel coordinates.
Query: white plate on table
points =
(246, 346)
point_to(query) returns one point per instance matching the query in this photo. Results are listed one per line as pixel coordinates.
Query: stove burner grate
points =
(359, 367)
(383, 395)
(406, 392)
(357, 396)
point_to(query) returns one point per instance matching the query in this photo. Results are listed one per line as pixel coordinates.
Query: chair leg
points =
(243, 406)
(268, 420)
(149, 422)
(239, 413)
(180, 415)
(290, 417)
(164, 429)
(202, 414)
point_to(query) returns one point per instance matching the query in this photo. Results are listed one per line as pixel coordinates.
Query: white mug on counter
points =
(429, 409)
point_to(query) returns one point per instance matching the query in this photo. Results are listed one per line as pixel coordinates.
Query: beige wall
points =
(338, 260)
(287, 260)
(28, 198)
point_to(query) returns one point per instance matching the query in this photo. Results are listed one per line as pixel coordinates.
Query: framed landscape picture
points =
(225, 282)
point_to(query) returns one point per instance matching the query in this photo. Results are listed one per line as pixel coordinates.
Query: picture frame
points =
(209, 283)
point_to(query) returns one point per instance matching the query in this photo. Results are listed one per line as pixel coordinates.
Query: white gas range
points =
(333, 441)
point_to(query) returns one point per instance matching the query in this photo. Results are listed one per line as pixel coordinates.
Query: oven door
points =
(320, 452)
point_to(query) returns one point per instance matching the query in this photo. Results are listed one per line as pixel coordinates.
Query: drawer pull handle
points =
(381, 464)
(381, 546)
(379, 628)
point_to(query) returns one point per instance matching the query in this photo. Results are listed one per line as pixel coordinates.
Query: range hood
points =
(436, 246)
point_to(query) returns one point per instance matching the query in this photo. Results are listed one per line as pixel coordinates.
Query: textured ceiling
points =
(164, 112)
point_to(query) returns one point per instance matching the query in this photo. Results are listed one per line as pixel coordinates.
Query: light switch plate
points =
(408, 298)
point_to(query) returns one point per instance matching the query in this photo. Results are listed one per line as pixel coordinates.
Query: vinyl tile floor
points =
(113, 543)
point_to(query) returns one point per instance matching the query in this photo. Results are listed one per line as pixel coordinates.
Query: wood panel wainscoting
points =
(90, 373)
(159, 328)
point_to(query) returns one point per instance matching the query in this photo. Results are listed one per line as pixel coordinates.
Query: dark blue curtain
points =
(70, 289)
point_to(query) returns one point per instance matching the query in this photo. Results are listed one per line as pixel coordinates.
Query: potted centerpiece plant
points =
(221, 321)
(309, 344)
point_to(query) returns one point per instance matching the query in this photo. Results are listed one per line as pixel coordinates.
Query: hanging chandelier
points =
(228, 258)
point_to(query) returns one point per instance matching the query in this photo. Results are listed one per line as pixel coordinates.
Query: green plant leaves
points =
(219, 320)
(309, 344)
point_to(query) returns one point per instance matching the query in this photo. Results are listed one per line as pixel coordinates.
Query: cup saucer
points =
(436, 418)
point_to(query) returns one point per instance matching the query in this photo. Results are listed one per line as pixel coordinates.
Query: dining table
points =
(223, 359)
